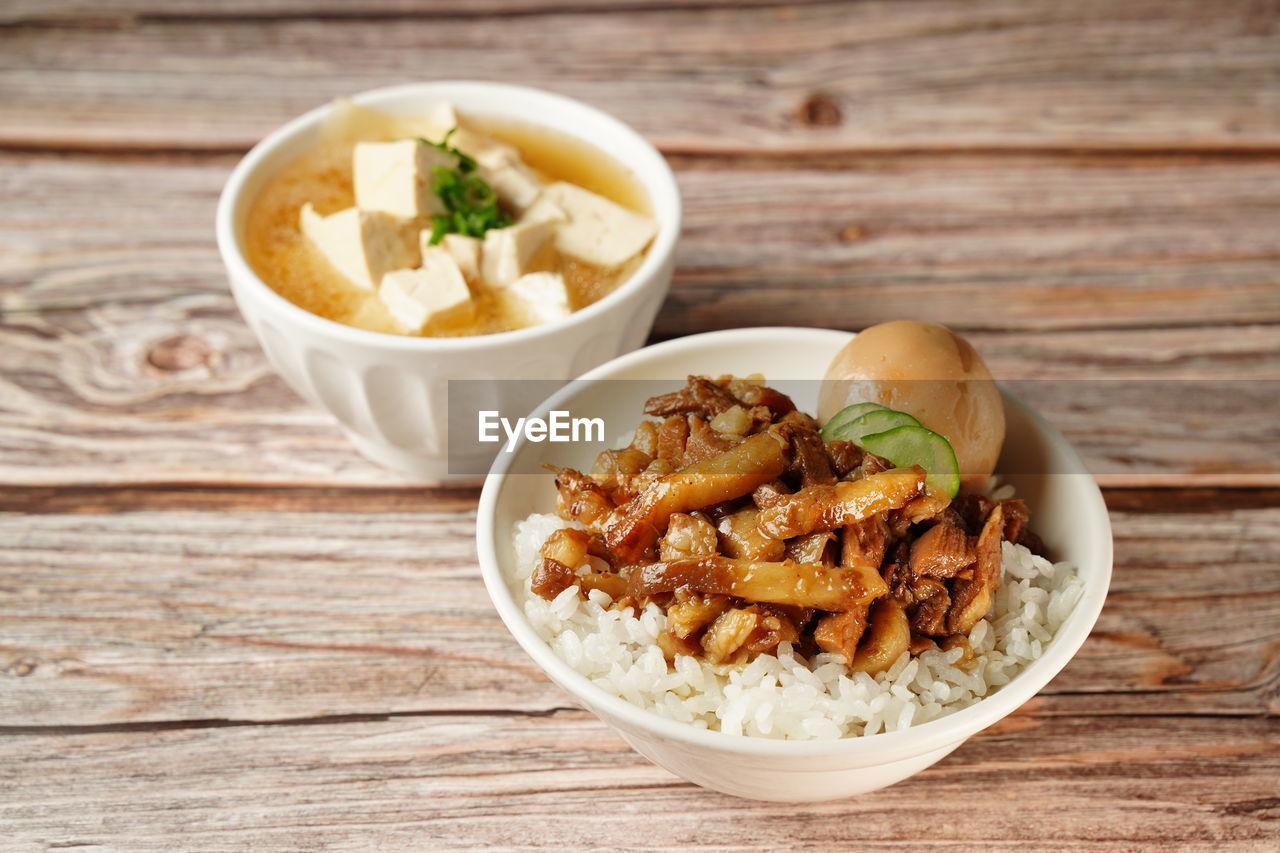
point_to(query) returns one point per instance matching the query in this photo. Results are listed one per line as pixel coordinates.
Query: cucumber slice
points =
(880, 420)
(847, 415)
(915, 445)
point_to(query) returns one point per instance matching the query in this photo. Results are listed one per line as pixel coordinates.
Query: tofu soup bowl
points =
(412, 309)
(1067, 512)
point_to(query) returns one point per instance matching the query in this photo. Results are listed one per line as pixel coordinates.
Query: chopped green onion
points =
(471, 205)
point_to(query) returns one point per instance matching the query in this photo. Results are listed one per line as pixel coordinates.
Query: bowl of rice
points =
(783, 726)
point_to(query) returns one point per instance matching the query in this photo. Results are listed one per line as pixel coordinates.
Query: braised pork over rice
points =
(730, 513)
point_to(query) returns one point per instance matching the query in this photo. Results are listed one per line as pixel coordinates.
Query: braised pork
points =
(829, 507)
(700, 396)
(732, 515)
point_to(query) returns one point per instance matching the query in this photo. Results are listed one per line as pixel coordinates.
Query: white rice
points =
(783, 695)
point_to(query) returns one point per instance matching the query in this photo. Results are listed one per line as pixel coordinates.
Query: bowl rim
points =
(660, 184)
(882, 747)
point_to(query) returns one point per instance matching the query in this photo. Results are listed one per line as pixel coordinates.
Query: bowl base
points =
(783, 782)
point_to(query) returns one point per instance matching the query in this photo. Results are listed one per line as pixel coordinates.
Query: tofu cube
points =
(508, 252)
(598, 232)
(363, 245)
(464, 250)
(435, 294)
(444, 116)
(395, 177)
(515, 183)
(488, 152)
(538, 297)
(543, 210)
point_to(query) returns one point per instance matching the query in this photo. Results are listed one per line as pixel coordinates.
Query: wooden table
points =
(221, 629)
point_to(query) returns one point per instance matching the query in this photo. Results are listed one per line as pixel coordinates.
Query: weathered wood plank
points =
(1030, 243)
(934, 75)
(85, 404)
(154, 615)
(1049, 244)
(1046, 255)
(146, 630)
(464, 782)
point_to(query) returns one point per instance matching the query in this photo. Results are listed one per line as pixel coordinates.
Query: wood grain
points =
(939, 75)
(85, 404)
(1040, 243)
(450, 782)
(221, 629)
(1035, 244)
(153, 615)
(1040, 260)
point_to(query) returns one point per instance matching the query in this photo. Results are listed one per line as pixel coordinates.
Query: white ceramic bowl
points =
(1068, 512)
(389, 392)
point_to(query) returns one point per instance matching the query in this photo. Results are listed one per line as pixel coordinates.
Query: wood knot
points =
(22, 667)
(181, 352)
(819, 110)
(852, 233)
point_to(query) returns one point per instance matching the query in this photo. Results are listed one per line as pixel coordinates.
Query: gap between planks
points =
(90, 500)
(103, 16)
(45, 500)
(659, 336)
(1029, 710)
(747, 157)
(329, 719)
(566, 711)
